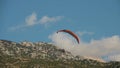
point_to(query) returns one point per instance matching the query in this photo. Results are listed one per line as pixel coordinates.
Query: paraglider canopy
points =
(71, 33)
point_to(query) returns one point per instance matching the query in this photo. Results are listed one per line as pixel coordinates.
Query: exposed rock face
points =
(33, 50)
(40, 54)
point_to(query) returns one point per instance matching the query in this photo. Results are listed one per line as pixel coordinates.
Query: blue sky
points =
(96, 22)
(99, 17)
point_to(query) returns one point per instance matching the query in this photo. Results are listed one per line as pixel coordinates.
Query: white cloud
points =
(85, 33)
(114, 57)
(102, 47)
(32, 20)
(16, 27)
(46, 19)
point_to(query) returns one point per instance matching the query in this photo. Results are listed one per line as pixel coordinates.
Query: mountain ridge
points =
(26, 52)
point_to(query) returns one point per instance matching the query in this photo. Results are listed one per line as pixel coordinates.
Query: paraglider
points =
(71, 33)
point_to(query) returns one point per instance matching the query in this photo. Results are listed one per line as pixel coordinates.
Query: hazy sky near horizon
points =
(96, 22)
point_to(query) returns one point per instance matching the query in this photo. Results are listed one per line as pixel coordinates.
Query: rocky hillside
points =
(44, 55)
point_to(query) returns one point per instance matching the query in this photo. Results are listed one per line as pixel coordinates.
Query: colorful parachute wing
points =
(71, 33)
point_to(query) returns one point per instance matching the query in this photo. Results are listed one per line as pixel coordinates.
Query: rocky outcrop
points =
(40, 54)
